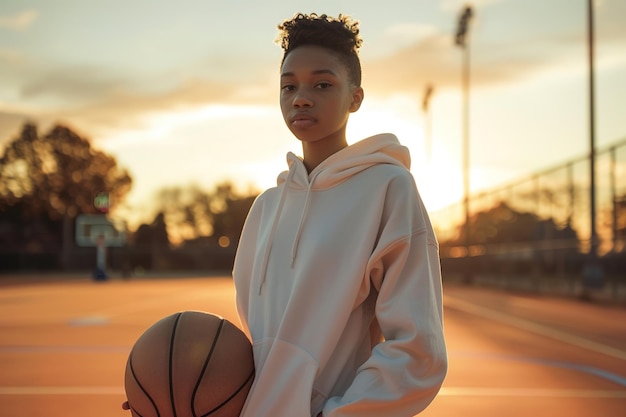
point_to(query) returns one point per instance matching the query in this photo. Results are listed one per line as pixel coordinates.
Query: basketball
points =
(189, 364)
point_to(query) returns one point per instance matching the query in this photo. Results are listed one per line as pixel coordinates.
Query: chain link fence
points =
(558, 200)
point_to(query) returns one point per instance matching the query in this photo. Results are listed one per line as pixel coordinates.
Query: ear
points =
(357, 98)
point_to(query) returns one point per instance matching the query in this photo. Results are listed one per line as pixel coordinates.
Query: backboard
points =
(91, 227)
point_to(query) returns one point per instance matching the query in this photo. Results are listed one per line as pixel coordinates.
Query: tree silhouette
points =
(194, 214)
(186, 211)
(149, 242)
(502, 224)
(231, 213)
(46, 181)
(58, 174)
(203, 227)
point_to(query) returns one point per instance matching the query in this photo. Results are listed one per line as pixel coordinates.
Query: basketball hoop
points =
(97, 229)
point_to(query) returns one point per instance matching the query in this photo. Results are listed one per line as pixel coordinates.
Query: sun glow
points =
(246, 145)
(437, 175)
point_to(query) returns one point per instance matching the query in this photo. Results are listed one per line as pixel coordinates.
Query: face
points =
(316, 96)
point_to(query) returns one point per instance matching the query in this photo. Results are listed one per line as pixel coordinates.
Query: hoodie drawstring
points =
(305, 211)
(279, 209)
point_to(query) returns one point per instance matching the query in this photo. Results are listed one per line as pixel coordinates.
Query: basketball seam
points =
(171, 363)
(132, 371)
(242, 386)
(237, 391)
(206, 365)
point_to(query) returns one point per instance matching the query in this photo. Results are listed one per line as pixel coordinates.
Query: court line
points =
(528, 392)
(67, 390)
(561, 336)
(445, 392)
(618, 379)
(601, 373)
(65, 349)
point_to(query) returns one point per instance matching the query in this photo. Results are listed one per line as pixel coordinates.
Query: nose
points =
(301, 99)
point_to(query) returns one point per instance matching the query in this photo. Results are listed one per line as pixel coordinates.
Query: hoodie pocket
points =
(283, 384)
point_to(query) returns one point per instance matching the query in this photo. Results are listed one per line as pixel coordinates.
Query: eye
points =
(287, 87)
(323, 85)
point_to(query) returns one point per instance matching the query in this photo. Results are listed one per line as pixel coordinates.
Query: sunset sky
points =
(187, 91)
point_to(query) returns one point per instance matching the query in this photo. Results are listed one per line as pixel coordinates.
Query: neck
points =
(316, 152)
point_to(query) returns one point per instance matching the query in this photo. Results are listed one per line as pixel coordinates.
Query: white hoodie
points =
(339, 286)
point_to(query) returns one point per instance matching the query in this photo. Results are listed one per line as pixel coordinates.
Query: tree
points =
(520, 240)
(230, 215)
(46, 181)
(502, 224)
(186, 211)
(58, 174)
(149, 242)
(203, 227)
(194, 214)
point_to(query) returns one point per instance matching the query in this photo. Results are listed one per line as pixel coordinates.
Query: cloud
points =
(434, 59)
(99, 100)
(404, 34)
(11, 57)
(20, 21)
(609, 20)
(409, 68)
(97, 104)
(124, 109)
(70, 84)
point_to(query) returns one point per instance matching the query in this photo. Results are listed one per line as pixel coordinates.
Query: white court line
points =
(445, 392)
(41, 390)
(490, 314)
(529, 392)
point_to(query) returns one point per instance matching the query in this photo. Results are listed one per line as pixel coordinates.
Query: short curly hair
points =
(340, 35)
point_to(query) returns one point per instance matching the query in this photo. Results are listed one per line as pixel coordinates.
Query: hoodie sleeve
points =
(405, 371)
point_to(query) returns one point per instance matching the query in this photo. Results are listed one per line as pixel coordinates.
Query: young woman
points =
(337, 271)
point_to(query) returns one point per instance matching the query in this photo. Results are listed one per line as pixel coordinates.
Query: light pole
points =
(427, 122)
(461, 41)
(593, 276)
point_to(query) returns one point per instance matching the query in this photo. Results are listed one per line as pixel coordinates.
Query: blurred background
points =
(134, 136)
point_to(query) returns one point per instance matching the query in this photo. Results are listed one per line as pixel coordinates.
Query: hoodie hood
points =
(342, 165)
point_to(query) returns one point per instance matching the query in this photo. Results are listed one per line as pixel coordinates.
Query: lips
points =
(302, 120)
